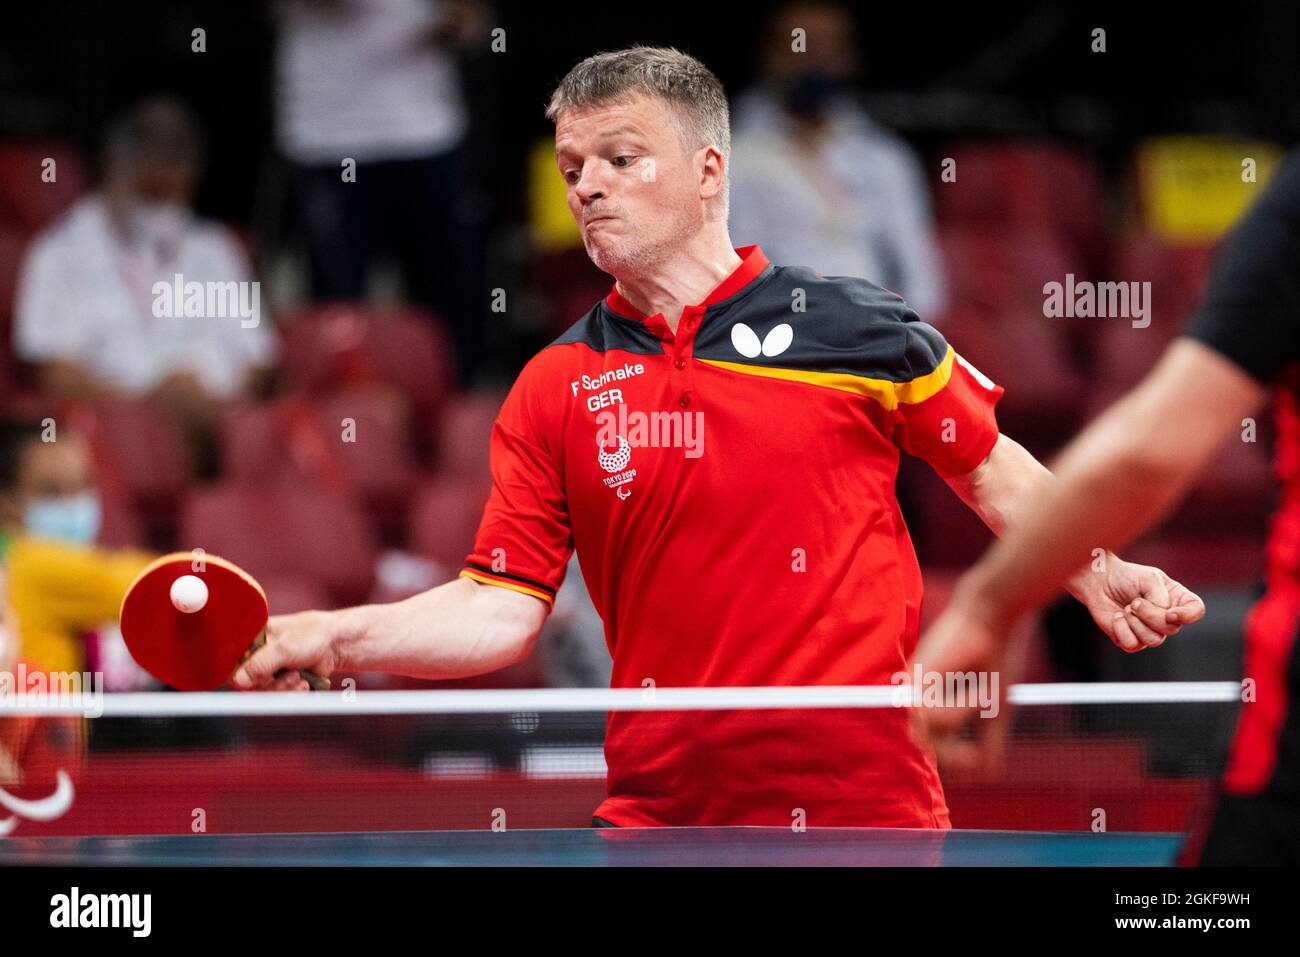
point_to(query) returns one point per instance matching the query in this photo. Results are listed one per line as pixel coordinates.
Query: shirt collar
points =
(752, 262)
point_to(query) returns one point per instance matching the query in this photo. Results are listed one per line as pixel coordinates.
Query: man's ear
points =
(712, 171)
(713, 183)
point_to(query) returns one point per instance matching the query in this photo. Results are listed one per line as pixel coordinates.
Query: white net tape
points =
(217, 703)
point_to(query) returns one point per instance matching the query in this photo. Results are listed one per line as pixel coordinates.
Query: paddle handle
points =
(314, 681)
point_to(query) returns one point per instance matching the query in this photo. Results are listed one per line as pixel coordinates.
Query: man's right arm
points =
(456, 630)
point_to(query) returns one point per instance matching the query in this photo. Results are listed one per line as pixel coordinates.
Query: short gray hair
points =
(679, 79)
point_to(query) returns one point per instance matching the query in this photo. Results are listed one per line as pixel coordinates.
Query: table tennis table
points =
(599, 847)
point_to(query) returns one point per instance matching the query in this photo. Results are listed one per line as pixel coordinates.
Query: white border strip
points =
(222, 703)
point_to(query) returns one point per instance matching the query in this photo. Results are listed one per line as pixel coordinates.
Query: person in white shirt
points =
(96, 310)
(816, 181)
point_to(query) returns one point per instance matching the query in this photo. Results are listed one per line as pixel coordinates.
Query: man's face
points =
(633, 187)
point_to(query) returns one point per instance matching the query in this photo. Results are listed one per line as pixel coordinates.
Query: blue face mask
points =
(74, 520)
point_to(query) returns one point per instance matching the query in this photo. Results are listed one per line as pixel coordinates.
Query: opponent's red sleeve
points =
(524, 539)
(946, 415)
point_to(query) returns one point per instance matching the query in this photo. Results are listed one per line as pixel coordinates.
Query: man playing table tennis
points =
(719, 439)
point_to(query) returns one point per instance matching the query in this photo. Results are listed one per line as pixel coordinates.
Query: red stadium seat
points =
(1005, 268)
(1235, 495)
(285, 528)
(378, 453)
(287, 593)
(26, 200)
(1030, 359)
(283, 440)
(304, 440)
(465, 433)
(1202, 559)
(413, 351)
(1043, 185)
(120, 527)
(1178, 272)
(335, 345)
(445, 516)
(141, 446)
(997, 321)
(1177, 275)
(253, 446)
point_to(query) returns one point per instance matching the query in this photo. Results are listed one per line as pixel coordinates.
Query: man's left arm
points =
(1129, 602)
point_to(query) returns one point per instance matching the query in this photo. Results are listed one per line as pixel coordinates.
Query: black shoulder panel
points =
(835, 324)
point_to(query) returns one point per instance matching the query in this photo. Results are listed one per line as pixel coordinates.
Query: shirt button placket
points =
(683, 380)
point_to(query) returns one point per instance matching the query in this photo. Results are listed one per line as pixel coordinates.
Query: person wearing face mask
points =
(816, 181)
(33, 749)
(59, 586)
(90, 314)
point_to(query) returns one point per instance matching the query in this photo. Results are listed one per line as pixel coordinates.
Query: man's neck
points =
(683, 280)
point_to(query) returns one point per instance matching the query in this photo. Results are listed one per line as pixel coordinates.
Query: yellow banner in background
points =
(550, 224)
(1193, 188)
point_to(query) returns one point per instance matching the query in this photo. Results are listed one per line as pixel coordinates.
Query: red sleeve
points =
(946, 416)
(524, 540)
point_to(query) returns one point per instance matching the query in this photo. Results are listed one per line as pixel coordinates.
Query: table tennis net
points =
(1069, 759)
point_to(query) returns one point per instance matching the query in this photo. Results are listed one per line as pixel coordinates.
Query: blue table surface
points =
(592, 847)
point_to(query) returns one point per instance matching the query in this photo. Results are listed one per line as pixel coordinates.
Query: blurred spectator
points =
(89, 315)
(815, 181)
(59, 585)
(376, 82)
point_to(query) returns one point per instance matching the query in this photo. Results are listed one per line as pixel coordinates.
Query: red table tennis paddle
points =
(196, 650)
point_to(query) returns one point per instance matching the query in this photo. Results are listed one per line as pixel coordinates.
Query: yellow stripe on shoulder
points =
(513, 586)
(889, 394)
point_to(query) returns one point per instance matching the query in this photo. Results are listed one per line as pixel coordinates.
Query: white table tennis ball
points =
(189, 594)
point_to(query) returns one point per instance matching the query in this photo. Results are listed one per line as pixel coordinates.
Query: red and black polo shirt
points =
(729, 489)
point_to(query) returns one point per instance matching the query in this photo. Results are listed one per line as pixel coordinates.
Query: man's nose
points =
(590, 186)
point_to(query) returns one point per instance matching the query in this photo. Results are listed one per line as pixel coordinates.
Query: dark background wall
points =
(933, 71)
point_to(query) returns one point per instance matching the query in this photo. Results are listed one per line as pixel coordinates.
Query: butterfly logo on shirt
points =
(746, 342)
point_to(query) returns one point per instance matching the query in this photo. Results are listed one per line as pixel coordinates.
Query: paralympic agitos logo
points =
(41, 809)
